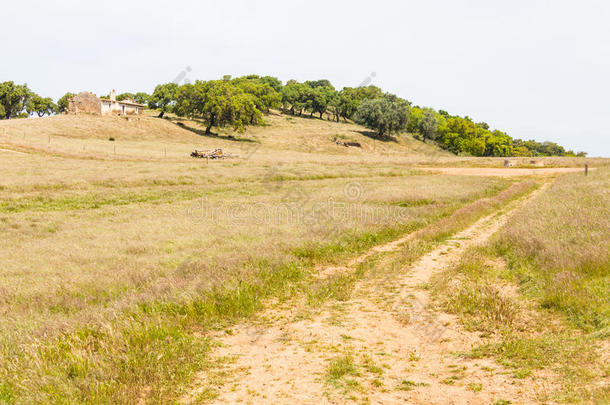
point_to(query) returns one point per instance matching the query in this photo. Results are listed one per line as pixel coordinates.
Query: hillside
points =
(133, 137)
(282, 138)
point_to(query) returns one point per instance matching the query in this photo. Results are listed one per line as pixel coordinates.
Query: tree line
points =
(18, 101)
(243, 101)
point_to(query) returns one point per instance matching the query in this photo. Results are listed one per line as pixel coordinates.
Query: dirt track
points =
(500, 172)
(387, 323)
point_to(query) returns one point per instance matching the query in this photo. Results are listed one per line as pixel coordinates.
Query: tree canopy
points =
(125, 96)
(386, 115)
(264, 94)
(13, 99)
(218, 103)
(41, 105)
(62, 103)
(139, 97)
(163, 98)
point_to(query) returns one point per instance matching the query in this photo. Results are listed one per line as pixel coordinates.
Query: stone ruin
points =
(84, 103)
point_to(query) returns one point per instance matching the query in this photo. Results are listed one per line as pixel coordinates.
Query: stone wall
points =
(84, 103)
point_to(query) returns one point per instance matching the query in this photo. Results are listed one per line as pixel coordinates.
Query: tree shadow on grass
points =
(375, 136)
(201, 132)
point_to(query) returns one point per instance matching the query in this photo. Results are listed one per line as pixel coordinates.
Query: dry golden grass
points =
(147, 137)
(284, 139)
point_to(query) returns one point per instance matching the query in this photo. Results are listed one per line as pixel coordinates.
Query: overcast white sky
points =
(536, 69)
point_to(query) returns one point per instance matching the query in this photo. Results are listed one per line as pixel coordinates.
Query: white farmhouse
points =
(110, 106)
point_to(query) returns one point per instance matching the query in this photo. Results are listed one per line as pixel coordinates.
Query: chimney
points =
(113, 95)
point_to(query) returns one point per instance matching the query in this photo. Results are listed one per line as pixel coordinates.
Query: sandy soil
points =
(403, 350)
(500, 172)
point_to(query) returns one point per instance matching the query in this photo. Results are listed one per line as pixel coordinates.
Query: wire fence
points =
(91, 147)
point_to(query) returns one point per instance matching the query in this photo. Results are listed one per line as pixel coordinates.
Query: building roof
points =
(126, 101)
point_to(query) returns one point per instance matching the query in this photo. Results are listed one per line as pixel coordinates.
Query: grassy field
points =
(116, 262)
(539, 290)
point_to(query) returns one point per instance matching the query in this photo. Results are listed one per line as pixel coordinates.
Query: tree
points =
(459, 135)
(334, 105)
(264, 96)
(163, 98)
(141, 97)
(318, 98)
(348, 102)
(350, 98)
(63, 102)
(497, 143)
(125, 96)
(293, 97)
(318, 83)
(428, 125)
(218, 103)
(415, 118)
(386, 115)
(274, 82)
(540, 148)
(40, 106)
(13, 98)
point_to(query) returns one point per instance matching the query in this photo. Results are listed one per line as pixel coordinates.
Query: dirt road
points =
(394, 347)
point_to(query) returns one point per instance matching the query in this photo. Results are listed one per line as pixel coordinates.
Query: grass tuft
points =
(340, 367)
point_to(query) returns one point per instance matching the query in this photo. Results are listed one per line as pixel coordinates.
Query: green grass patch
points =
(475, 387)
(340, 367)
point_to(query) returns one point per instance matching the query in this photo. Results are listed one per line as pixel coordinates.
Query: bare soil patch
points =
(397, 347)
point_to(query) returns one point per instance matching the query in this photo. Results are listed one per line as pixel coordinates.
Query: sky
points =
(535, 69)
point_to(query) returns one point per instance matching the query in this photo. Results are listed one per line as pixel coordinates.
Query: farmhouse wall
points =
(84, 103)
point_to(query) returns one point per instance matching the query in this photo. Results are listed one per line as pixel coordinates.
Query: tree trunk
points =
(209, 127)
(161, 114)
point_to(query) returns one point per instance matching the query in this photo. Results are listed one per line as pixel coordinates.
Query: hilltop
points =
(244, 102)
